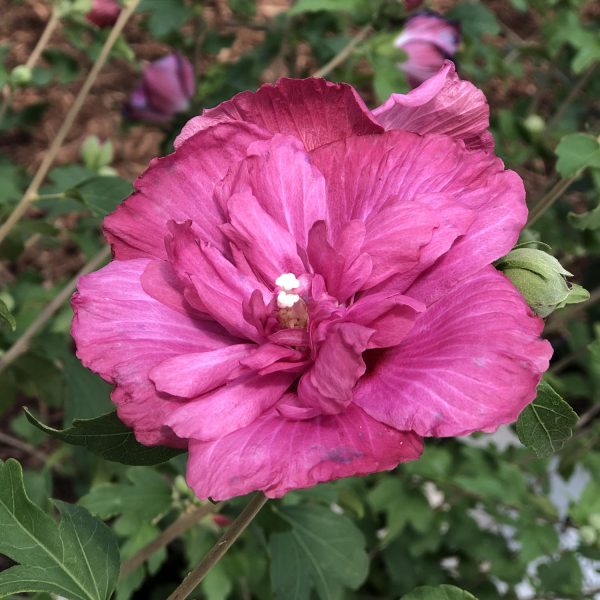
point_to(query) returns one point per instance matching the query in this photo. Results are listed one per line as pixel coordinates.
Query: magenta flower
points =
(428, 40)
(304, 288)
(166, 88)
(104, 13)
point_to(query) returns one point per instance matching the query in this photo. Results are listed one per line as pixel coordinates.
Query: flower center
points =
(292, 313)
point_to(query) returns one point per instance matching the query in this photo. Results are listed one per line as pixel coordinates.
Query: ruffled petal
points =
(190, 375)
(344, 267)
(279, 174)
(275, 454)
(179, 187)
(477, 202)
(328, 384)
(443, 104)
(229, 408)
(391, 316)
(314, 110)
(471, 363)
(269, 248)
(121, 333)
(217, 284)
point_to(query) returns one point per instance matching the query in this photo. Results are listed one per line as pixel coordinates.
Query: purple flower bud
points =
(104, 13)
(166, 88)
(412, 4)
(428, 39)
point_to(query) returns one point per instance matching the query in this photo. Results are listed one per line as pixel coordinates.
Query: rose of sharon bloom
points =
(167, 86)
(303, 289)
(104, 13)
(428, 40)
(412, 4)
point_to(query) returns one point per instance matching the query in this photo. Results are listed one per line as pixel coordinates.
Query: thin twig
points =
(9, 440)
(49, 157)
(35, 54)
(549, 199)
(172, 532)
(575, 90)
(22, 343)
(344, 53)
(216, 553)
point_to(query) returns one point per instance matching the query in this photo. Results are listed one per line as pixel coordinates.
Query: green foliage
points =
(547, 423)
(165, 16)
(323, 550)
(77, 558)
(108, 437)
(307, 6)
(6, 317)
(576, 152)
(443, 592)
(144, 498)
(479, 515)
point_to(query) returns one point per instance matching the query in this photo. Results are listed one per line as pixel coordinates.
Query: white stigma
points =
(285, 300)
(287, 282)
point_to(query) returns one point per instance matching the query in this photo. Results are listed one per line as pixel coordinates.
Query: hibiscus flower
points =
(166, 88)
(428, 39)
(303, 290)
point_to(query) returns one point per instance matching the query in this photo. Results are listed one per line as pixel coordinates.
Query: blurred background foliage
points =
(484, 513)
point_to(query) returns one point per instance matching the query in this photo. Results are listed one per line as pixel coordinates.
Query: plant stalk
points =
(575, 90)
(344, 53)
(52, 24)
(21, 345)
(181, 525)
(216, 553)
(32, 190)
(559, 188)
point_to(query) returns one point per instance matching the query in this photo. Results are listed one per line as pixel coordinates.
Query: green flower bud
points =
(95, 154)
(534, 124)
(588, 535)
(541, 279)
(20, 75)
(594, 520)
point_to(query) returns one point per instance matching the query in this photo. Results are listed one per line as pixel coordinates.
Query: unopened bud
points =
(534, 124)
(588, 535)
(20, 75)
(541, 279)
(95, 153)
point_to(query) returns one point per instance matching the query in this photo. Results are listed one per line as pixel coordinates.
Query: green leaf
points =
(475, 20)
(87, 394)
(110, 438)
(102, 194)
(6, 317)
(147, 496)
(442, 592)
(304, 6)
(547, 423)
(562, 577)
(576, 152)
(323, 550)
(586, 220)
(166, 16)
(77, 558)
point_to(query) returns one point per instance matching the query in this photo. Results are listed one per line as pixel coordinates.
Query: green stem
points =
(31, 192)
(21, 345)
(549, 199)
(575, 90)
(216, 553)
(52, 24)
(181, 525)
